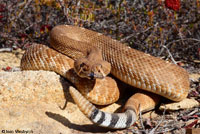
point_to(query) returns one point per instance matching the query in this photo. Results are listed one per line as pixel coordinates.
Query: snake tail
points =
(103, 119)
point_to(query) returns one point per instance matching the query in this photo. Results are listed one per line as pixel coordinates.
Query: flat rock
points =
(33, 101)
(194, 77)
(184, 104)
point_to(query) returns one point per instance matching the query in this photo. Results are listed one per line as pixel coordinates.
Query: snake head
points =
(92, 69)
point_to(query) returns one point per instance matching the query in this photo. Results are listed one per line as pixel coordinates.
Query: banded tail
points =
(104, 119)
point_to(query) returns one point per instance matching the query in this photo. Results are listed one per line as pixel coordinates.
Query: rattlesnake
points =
(131, 66)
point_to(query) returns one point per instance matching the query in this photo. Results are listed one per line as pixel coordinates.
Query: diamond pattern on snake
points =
(86, 58)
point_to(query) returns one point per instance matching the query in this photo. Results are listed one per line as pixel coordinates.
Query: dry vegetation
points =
(147, 25)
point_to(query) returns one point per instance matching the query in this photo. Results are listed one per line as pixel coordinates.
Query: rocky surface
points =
(10, 59)
(33, 100)
(184, 104)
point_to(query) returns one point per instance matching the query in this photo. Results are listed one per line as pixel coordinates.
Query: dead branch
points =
(170, 55)
(154, 129)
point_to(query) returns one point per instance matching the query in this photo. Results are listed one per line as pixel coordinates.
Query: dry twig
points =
(6, 49)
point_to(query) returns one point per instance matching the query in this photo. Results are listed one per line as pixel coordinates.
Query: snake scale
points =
(131, 66)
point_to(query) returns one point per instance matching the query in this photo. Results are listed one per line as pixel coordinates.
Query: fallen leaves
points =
(192, 124)
(173, 4)
(45, 29)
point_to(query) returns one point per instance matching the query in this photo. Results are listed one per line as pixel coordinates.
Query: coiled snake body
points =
(129, 65)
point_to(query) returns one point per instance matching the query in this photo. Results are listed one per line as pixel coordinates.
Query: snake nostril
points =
(84, 69)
